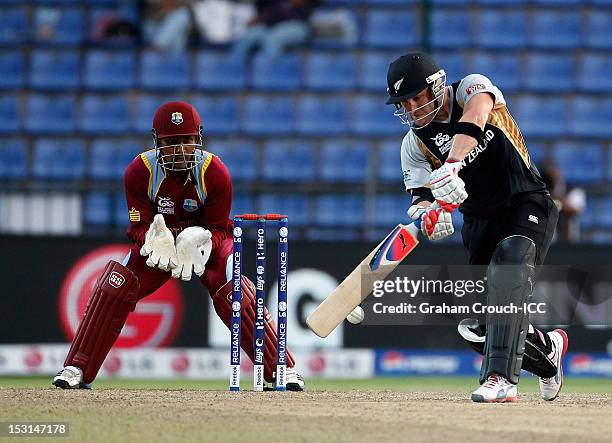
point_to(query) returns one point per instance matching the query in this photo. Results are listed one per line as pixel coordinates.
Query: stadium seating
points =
(344, 161)
(372, 71)
(550, 72)
(287, 161)
(389, 162)
(392, 29)
(502, 28)
(580, 162)
(295, 206)
(450, 28)
(58, 25)
(54, 114)
(322, 115)
(597, 30)
(593, 73)
(240, 157)
(242, 203)
(219, 70)
(309, 120)
(281, 73)
(97, 208)
(591, 117)
(372, 117)
(164, 72)
(340, 210)
(555, 29)
(263, 115)
(390, 209)
(454, 64)
(10, 114)
(542, 116)
(326, 71)
(58, 159)
(104, 114)
(219, 114)
(15, 25)
(109, 70)
(504, 70)
(13, 158)
(54, 70)
(12, 69)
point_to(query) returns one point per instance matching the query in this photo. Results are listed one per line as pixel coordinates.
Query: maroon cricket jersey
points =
(201, 198)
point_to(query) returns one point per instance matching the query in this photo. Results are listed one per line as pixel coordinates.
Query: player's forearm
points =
(477, 113)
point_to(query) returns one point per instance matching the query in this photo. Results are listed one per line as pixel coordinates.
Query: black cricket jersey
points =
(495, 172)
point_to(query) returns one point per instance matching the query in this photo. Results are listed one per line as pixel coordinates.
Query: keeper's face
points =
(178, 152)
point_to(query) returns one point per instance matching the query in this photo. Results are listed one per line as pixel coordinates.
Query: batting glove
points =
(446, 186)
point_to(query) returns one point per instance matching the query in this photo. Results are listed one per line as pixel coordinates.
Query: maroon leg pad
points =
(113, 298)
(222, 301)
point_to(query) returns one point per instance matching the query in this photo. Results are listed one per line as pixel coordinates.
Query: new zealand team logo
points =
(177, 118)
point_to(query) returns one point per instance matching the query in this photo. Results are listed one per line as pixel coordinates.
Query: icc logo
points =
(282, 306)
(156, 319)
(237, 231)
(283, 232)
(236, 306)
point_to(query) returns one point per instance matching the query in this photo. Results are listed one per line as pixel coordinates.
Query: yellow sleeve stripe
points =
(146, 162)
(205, 166)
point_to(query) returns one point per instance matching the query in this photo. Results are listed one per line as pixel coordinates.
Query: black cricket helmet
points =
(407, 76)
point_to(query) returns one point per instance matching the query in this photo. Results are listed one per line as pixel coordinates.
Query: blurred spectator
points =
(278, 26)
(571, 202)
(113, 28)
(171, 24)
(168, 24)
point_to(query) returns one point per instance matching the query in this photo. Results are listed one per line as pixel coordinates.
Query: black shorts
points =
(531, 215)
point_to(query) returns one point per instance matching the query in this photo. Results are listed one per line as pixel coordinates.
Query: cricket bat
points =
(359, 284)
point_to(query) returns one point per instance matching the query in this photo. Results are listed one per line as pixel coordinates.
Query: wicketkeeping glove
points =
(193, 247)
(159, 246)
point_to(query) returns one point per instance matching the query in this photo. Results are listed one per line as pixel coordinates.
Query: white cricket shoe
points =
(70, 377)
(496, 389)
(550, 387)
(295, 382)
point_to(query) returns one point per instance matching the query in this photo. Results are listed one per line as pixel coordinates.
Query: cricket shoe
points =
(496, 389)
(295, 382)
(70, 377)
(550, 387)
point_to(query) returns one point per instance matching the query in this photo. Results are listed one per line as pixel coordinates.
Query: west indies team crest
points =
(177, 118)
(395, 247)
(190, 205)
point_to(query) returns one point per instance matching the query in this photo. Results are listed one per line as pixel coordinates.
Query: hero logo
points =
(156, 319)
(116, 280)
(165, 205)
(473, 88)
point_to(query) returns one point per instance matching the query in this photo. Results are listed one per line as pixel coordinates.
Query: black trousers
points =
(531, 215)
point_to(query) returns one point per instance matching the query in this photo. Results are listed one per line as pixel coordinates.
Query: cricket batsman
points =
(179, 198)
(464, 150)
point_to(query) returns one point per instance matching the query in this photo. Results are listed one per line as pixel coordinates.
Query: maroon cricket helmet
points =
(176, 119)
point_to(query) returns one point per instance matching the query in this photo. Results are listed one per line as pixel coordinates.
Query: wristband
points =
(469, 129)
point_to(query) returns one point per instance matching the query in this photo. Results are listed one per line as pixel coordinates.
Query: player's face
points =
(421, 107)
(178, 153)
